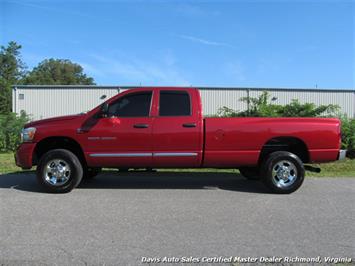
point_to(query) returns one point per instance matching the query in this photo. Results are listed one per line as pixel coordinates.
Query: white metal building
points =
(48, 101)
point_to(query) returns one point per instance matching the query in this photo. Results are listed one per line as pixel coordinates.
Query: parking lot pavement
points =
(116, 219)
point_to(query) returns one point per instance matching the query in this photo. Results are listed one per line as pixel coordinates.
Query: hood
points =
(52, 119)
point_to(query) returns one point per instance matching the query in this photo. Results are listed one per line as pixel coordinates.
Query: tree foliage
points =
(57, 72)
(348, 134)
(10, 128)
(12, 70)
(48, 72)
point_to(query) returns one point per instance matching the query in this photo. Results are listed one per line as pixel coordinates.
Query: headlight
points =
(27, 134)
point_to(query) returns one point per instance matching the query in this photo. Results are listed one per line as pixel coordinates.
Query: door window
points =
(132, 105)
(174, 103)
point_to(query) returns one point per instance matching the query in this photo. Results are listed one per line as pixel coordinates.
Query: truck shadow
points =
(26, 181)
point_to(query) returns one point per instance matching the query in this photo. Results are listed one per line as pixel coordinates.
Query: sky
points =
(296, 44)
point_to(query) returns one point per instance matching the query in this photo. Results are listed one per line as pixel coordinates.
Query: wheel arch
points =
(285, 143)
(58, 142)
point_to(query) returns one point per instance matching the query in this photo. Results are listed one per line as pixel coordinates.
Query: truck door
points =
(177, 129)
(124, 137)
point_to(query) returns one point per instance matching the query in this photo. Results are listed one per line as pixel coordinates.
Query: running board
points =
(312, 169)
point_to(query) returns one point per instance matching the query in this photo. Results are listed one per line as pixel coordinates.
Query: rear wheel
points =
(283, 172)
(250, 173)
(59, 171)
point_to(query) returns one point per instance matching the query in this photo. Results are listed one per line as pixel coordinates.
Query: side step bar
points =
(312, 169)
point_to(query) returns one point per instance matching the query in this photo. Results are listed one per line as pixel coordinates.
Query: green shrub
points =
(348, 135)
(10, 128)
(226, 112)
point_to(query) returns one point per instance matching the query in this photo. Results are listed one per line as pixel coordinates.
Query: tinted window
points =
(174, 103)
(137, 104)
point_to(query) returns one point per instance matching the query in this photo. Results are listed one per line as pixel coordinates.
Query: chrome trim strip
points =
(93, 138)
(145, 154)
(121, 154)
(174, 154)
(101, 138)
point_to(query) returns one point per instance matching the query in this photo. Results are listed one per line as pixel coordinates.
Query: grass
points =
(7, 163)
(345, 168)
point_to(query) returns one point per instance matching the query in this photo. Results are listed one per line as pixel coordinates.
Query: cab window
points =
(132, 105)
(174, 103)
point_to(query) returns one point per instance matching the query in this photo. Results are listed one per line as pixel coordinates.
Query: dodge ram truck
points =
(165, 128)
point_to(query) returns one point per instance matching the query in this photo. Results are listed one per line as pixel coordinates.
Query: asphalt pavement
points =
(124, 219)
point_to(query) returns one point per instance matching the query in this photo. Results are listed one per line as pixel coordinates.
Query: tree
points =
(12, 70)
(57, 72)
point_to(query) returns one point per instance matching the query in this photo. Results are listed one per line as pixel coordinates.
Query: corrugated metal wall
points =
(214, 98)
(47, 101)
(43, 102)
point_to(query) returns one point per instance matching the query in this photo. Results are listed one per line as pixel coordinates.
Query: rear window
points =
(174, 103)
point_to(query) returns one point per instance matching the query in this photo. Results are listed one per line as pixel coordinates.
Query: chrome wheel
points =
(284, 174)
(57, 172)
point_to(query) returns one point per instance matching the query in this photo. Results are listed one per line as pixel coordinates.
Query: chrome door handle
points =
(141, 126)
(189, 125)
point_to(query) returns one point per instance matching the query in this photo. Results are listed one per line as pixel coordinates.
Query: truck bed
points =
(229, 142)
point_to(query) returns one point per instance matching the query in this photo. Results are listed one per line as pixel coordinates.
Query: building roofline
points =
(199, 87)
(62, 86)
(281, 89)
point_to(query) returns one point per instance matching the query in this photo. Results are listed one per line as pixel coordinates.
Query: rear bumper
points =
(341, 155)
(23, 156)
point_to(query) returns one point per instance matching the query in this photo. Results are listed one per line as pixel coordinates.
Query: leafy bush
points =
(295, 108)
(226, 112)
(348, 135)
(10, 128)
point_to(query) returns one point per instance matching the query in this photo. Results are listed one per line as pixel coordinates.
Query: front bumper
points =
(341, 155)
(24, 154)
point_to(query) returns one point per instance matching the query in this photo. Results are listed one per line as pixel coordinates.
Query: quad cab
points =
(165, 128)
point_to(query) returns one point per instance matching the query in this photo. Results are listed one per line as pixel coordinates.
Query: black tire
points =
(250, 173)
(73, 175)
(90, 173)
(294, 172)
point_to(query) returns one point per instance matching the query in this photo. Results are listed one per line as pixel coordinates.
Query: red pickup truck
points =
(165, 128)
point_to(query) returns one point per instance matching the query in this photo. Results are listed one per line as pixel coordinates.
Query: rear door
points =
(177, 129)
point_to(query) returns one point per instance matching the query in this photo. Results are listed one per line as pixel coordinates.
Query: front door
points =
(124, 137)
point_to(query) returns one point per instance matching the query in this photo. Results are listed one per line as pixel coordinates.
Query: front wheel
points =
(283, 172)
(59, 171)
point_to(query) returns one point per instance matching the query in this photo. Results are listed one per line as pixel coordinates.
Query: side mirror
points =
(104, 110)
